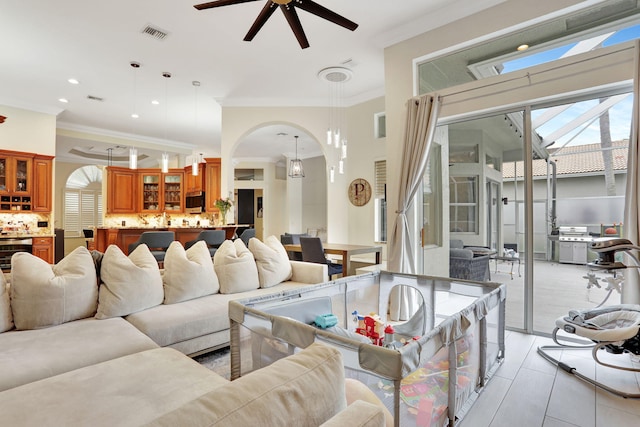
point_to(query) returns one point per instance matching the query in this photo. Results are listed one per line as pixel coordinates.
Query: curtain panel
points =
(420, 126)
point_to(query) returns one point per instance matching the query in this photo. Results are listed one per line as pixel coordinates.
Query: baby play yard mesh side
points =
(428, 379)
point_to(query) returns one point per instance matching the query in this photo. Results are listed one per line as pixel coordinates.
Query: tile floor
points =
(528, 391)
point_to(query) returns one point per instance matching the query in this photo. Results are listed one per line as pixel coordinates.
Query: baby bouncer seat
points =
(615, 329)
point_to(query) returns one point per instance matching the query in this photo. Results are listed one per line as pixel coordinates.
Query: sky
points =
(619, 114)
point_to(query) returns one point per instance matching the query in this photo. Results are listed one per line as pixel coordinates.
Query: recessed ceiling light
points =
(155, 102)
(135, 116)
(63, 100)
(523, 47)
(74, 81)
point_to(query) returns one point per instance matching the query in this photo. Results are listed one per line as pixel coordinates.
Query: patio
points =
(558, 288)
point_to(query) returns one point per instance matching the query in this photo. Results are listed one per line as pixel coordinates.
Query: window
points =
(432, 199)
(380, 200)
(83, 200)
(463, 153)
(380, 125)
(82, 209)
(463, 204)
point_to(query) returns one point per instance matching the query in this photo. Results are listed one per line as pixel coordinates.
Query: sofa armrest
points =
(358, 414)
(309, 272)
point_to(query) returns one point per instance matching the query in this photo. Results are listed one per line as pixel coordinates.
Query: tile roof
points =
(579, 159)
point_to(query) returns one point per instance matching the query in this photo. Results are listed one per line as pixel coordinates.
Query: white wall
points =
(314, 194)
(238, 122)
(28, 131)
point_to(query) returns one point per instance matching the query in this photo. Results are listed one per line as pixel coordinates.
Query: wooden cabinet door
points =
(150, 191)
(122, 194)
(43, 248)
(172, 191)
(42, 188)
(212, 185)
(194, 183)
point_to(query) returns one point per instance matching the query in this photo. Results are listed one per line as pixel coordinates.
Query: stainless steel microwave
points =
(194, 202)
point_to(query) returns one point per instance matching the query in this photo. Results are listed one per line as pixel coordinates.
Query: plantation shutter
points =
(72, 212)
(381, 178)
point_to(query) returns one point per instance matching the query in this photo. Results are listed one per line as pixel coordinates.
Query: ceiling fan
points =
(288, 8)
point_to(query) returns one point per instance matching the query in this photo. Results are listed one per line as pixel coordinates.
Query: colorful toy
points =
(370, 326)
(325, 321)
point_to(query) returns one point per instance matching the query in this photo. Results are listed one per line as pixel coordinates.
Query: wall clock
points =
(359, 192)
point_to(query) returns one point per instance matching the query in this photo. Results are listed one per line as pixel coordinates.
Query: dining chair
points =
(157, 241)
(213, 239)
(287, 239)
(246, 235)
(312, 251)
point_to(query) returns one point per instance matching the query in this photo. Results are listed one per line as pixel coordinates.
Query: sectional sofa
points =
(102, 339)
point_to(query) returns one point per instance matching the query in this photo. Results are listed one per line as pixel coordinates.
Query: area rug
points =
(218, 361)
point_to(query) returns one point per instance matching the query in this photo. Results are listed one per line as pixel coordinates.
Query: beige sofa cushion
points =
(188, 274)
(127, 391)
(6, 318)
(27, 356)
(272, 261)
(129, 284)
(44, 295)
(305, 389)
(235, 267)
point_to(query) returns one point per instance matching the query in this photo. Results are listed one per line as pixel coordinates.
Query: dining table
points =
(346, 251)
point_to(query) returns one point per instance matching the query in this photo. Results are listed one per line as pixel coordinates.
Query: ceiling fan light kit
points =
(288, 8)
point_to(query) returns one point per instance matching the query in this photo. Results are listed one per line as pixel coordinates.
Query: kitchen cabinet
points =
(43, 248)
(151, 200)
(122, 190)
(212, 183)
(161, 192)
(42, 186)
(194, 184)
(25, 181)
(172, 191)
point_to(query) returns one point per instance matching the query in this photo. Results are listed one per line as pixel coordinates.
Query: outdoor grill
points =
(573, 244)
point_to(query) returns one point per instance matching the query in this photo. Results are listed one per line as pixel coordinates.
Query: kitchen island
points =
(124, 236)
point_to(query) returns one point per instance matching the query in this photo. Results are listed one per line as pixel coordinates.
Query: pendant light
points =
(195, 164)
(336, 130)
(295, 165)
(165, 163)
(133, 158)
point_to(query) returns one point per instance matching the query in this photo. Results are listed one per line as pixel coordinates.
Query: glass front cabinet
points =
(16, 172)
(161, 192)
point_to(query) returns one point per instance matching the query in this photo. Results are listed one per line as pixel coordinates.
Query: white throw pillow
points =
(44, 295)
(129, 284)
(235, 267)
(6, 318)
(188, 274)
(272, 261)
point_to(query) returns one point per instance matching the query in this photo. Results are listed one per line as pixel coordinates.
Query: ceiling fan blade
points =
(323, 12)
(294, 22)
(265, 14)
(219, 3)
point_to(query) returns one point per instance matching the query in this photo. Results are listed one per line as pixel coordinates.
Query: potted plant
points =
(223, 206)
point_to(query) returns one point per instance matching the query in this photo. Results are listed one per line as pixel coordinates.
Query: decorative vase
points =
(223, 216)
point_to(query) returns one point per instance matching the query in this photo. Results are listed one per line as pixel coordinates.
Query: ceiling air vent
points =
(154, 32)
(95, 98)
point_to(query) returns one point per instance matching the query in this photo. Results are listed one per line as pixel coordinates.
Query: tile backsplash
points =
(25, 223)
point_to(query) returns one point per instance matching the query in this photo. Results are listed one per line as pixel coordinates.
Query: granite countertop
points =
(23, 235)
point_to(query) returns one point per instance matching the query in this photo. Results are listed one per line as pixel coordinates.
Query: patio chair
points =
(312, 251)
(463, 265)
(213, 239)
